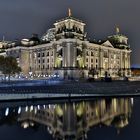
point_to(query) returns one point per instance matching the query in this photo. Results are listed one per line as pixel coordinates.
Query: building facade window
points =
(43, 54)
(38, 55)
(47, 53)
(92, 54)
(96, 60)
(87, 53)
(96, 66)
(105, 54)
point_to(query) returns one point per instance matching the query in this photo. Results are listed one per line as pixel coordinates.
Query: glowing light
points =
(38, 107)
(117, 30)
(26, 109)
(32, 124)
(44, 106)
(69, 12)
(35, 110)
(132, 101)
(25, 125)
(115, 105)
(31, 108)
(49, 106)
(19, 110)
(6, 111)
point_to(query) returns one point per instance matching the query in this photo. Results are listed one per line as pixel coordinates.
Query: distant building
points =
(66, 51)
(135, 71)
(3, 46)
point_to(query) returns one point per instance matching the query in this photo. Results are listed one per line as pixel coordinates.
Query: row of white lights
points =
(30, 108)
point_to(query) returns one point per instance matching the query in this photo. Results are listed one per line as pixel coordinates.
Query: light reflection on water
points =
(71, 120)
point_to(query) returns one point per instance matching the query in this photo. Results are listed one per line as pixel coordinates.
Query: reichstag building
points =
(65, 50)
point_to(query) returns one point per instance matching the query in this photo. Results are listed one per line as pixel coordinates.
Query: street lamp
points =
(30, 73)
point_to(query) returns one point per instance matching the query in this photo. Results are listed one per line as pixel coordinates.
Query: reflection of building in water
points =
(109, 112)
(73, 120)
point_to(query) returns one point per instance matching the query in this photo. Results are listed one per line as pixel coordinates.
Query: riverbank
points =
(68, 89)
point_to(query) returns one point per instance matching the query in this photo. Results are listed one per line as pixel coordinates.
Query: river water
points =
(99, 119)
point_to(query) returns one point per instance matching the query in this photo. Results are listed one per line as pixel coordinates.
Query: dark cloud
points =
(21, 18)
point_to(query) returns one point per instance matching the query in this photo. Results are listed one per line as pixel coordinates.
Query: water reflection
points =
(72, 120)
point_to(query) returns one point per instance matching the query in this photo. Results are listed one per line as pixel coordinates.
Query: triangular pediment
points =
(107, 44)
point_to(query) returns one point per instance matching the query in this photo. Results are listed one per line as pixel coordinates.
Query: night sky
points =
(20, 18)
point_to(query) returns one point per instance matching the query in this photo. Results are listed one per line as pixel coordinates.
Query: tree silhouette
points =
(8, 66)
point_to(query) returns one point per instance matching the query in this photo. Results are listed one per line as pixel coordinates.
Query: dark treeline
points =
(9, 66)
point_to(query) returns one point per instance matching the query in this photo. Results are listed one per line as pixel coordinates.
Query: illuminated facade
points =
(65, 50)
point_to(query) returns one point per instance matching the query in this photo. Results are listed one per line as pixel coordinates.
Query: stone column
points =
(129, 64)
(54, 56)
(126, 60)
(69, 58)
(31, 63)
(122, 63)
(129, 61)
(109, 61)
(64, 56)
(74, 56)
(89, 58)
(84, 56)
(125, 63)
(94, 59)
(100, 61)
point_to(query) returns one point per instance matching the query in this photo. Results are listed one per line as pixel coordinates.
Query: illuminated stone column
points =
(94, 59)
(69, 54)
(31, 61)
(84, 56)
(101, 62)
(54, 56)
(74, 56)
(64, 64)
(126, 63)
(129, 64)
(122, 62)
(129, 60)
(109, 61)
